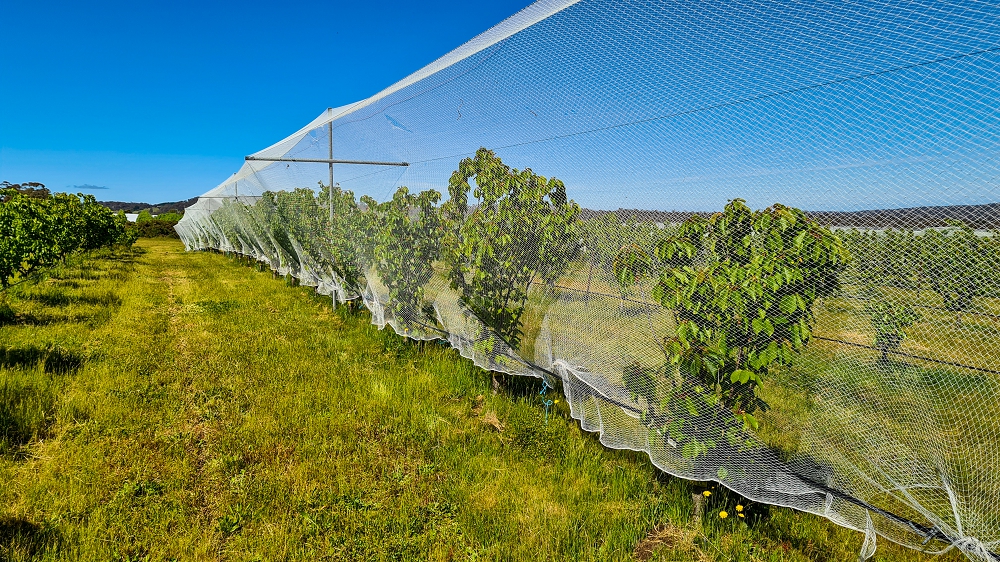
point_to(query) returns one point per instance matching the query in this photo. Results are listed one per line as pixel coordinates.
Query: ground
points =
(164, 405)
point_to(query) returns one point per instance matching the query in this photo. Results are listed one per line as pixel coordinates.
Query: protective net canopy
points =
(756, 240)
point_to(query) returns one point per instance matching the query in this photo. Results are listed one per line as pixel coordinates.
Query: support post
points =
(329, 132)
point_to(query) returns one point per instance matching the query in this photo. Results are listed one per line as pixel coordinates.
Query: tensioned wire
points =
(723, 105)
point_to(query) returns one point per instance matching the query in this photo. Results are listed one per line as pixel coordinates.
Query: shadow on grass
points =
(28, 400)
(20, 538)
(129, 256)
(58, 298)
(98, 316)
(28, 319)
(54, 359)
(51, 298)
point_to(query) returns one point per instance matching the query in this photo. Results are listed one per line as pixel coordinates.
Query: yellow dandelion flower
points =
(723, 515)
(741, 515)
(556, 402)
(706, 493)
(739, 507)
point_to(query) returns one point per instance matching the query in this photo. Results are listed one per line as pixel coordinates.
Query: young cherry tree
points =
(520, 229)
(889, 321)
(345, 236)
(305, 220)
(405, 242)
(741, 285)
(959, 264)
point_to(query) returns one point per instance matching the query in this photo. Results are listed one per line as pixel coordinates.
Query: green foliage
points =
(891, 258)
(239, 229)
(148, 226)
(959, 264)
(302, 222)
(268, 212)
(520, 229)
(406, 241)
(171, 217)
(954, 262)
(38, 230)
(632, 264)
(127, 235)
(889, 321)
(154, 228)
(741, 285)
(28, 238)
(641, 382)
(346, 236)
(285, 227)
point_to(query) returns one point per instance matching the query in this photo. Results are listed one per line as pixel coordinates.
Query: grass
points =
(838, 406)
(177, 406)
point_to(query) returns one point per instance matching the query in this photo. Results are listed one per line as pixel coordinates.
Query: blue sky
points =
(679, 105)
(637, 104)
(161, 101)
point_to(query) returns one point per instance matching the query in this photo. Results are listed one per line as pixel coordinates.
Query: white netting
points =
(842, 359)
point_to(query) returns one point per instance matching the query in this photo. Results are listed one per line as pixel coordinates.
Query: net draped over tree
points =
(757, 242)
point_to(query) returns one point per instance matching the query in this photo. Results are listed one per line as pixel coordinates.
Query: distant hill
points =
(984, 217)
(159, 208)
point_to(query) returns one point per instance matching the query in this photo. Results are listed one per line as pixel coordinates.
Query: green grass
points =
(838, 405)
(170, 405)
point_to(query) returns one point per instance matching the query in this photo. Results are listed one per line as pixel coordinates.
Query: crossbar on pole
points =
(327, 161)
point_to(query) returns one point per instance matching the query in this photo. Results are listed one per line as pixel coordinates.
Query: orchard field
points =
(158, 404)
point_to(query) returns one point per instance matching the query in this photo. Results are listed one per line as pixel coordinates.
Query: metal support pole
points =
(325, 161)
(329, 132)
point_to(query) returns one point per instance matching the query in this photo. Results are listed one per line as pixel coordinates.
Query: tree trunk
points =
(699, 508)
(586, 300)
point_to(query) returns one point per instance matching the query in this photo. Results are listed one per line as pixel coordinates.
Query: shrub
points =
(155, 228)
(890, 321)
(39, 230)
(170, 217)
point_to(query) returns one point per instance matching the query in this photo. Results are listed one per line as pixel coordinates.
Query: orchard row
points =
(39, 230)
(740, 283)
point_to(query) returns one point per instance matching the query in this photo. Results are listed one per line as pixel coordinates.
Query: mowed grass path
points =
(179, 406)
